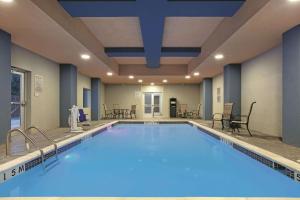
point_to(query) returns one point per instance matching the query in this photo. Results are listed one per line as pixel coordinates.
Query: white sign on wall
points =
(38, 85)
(137, 94)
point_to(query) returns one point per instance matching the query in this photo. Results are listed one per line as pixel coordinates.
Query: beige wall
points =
(218, 82)
(262, 82)
(126, 95)
(83, 82)
(186, 94)
(44, 108)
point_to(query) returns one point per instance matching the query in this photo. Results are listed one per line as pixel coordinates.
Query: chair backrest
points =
(227, 113)
(133, 109)
(105, 109)
(250, 111)
(182, 107)
(116, 106)
(198, 109)
(82, 117)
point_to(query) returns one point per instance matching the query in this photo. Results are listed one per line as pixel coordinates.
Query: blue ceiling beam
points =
(152, 15)
(165, 52)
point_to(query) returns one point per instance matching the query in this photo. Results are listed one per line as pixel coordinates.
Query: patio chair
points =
(243, 120)
(196, 113)
(132, 111)
(225, 116)
(108, 114)
(116, 111)
(182, 110)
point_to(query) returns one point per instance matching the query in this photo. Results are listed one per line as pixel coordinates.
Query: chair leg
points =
(222, 124)
(249, 131)
(213, 124)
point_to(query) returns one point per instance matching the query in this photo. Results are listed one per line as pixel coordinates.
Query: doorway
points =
(152, 104)
(18, 103)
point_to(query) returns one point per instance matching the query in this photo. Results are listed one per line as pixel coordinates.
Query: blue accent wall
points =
(291, 87)
(5, 84)
(152, 14)
(67, 91)
(96, 99)
(207, 98)
(232, 86)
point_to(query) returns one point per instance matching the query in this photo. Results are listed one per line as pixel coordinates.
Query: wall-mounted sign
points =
(218, 95)
(38, 85)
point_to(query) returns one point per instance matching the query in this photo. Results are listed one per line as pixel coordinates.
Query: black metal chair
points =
(196, 113)
(226, 116)
(243, 120)
(108, 114)
(132, 112)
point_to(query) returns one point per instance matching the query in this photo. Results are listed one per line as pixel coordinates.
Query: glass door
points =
(148, 104)
(17, 99)
(156, 104)
(152, 104)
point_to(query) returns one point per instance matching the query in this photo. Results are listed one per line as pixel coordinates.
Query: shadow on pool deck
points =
(263, 141)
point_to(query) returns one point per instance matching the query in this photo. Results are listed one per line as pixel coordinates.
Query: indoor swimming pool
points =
(152, 160)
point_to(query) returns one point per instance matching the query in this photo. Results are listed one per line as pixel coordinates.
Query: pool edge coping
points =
(289, 164)
(18, 164)
(87, 134)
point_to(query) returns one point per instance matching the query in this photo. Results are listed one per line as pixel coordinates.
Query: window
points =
(86, 98)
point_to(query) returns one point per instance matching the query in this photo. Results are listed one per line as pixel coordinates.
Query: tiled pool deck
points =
(269, 143)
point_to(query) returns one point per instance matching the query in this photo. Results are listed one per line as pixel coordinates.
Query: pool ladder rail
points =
(27, 137)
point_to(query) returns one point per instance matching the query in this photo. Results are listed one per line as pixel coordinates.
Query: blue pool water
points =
(153, 160)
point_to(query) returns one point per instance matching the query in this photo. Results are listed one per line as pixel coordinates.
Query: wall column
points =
(96, 92)
(207, 98)
(68, 91)
(5, 84)
(291, 87)
(232, 86)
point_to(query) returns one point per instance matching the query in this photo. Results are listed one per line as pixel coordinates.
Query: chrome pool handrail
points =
(45, 136)
(27, 138)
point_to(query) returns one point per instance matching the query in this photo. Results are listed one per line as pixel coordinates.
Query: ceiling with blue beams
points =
(152, 14)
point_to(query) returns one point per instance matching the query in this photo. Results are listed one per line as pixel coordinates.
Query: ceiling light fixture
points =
(294, 1)
(85, 56)
(165, 81)
(187, 77)
(219, 56)
(196, 73)
(109, 73)
(6, 1)
(152, 84)
(140, 80)
(131, 77)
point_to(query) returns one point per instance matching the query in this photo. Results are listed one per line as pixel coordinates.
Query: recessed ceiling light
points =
(85, 56)
(219, 56)
(131, 77)
(187, 77)
(7, 1)
(152, 84)
(165, 81)
(109, 73)
(140, 80)
(294, 0)
(196, 73)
